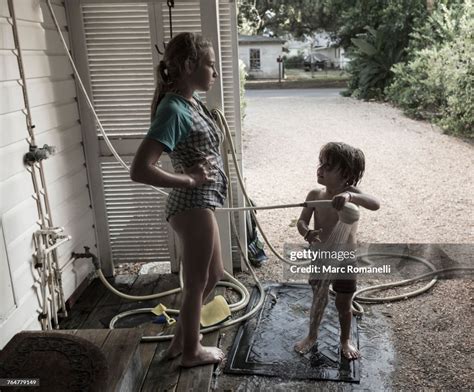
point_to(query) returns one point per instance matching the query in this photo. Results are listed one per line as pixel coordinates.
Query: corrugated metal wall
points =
(52, 96)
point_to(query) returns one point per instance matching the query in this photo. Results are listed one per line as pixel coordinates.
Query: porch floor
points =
(90, 316)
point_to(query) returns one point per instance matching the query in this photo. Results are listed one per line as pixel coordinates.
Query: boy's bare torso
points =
(327, 218)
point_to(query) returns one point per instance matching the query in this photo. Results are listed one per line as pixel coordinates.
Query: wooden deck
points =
(135, 367)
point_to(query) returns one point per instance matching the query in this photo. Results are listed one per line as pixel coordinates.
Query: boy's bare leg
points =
(320, 300)
(343, 305)
(197, 229)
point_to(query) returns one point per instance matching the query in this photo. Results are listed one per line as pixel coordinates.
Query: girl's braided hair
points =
(183, 47)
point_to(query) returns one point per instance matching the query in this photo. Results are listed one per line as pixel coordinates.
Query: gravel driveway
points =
(424, 180)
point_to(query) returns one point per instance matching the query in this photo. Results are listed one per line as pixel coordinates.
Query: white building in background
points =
(322, 46)
(260, 55)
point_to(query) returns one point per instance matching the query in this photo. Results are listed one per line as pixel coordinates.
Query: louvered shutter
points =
(136, 218)
(231, 94)
(119, 44)
(119, 52)
(120, 60)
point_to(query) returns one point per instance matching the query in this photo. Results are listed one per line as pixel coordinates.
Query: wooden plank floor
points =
(120, 347)
(97, 306)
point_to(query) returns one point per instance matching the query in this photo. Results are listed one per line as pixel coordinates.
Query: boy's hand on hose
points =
(340, 199)
(313, 236)
(200, 173)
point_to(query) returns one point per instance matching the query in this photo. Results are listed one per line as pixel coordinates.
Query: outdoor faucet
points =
(38, 154)
(87, 255)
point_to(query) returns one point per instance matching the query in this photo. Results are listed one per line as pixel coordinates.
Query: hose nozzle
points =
(349, 213)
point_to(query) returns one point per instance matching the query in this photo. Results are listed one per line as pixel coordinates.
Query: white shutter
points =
(119, 53)
(230, 66)
(231, 95)
(186, 17)
(135, 216)
(120, 61)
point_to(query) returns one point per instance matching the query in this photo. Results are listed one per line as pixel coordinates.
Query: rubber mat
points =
(264, 344)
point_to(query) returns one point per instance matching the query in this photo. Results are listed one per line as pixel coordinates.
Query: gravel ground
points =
(424, 180)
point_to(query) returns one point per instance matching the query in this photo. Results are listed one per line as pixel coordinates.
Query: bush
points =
(436, 82)
(372, 60)
(375, 48)
(293, 61)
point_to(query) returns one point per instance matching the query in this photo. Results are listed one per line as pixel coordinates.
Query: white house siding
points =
(335, 55)
(54, 111)
(269, 53)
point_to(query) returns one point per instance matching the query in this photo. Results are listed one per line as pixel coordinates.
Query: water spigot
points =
(38, 154)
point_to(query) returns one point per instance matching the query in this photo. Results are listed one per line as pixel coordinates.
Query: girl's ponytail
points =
(162, 82)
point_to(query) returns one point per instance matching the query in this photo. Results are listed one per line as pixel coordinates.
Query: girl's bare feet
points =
(175, 349)
(303, 346)
(349, 351)
(203, 356)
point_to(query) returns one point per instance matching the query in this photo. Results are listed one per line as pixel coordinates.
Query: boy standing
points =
(340, 169)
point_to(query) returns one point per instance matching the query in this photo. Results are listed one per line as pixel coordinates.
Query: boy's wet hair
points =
(183, 47)
(349, 160)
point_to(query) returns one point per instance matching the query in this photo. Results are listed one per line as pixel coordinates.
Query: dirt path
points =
(424, 180)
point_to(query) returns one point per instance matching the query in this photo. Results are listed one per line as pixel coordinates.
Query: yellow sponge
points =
(215, 311)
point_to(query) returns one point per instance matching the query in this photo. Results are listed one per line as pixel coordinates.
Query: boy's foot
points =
(304, 346)
(175, 350)
(349, 351)
(204, 356)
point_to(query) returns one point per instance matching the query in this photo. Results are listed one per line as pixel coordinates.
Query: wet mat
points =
(264, 344)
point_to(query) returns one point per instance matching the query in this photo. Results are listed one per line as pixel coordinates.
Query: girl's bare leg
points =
(320, 300)
(216, 273)
(197, 230)
(343, 305)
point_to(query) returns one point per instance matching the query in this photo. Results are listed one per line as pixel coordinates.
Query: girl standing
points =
(183, 127)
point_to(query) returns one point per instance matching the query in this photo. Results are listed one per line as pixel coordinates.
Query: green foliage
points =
(242, 77)
(379, 44)
(282, 17)
(294, 61)
(396, 16)
(372, 59)
(437, 80)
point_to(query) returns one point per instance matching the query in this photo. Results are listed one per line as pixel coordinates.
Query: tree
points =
(436, 81)
(375, 34)
(282, 17)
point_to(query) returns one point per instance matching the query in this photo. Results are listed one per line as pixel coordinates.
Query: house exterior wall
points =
(336, 56)
(269, 53)
(52, 97)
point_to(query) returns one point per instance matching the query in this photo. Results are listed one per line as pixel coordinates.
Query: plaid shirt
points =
(203, 140)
